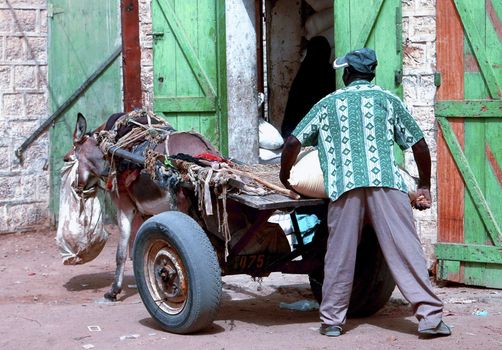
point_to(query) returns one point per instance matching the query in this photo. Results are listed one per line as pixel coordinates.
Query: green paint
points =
(82, 34)
(481, 109)
(471, 183)
(477, 42)
(469, 108)
(189, 78)
(469, 252)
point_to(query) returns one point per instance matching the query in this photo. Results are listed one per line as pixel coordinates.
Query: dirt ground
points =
(45, 305)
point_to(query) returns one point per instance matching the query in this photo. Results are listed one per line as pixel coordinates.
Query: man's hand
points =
(423, 159)
(423, 199)
(290, 151)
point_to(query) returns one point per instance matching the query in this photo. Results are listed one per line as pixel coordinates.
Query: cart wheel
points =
(373, 282)
(177, 272)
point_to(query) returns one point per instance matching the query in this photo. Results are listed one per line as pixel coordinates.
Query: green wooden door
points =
(469, 112)
(189, 66)
(82, 35)
(375, 24)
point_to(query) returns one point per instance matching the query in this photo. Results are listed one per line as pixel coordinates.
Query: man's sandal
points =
(442, 329)
(330, 331)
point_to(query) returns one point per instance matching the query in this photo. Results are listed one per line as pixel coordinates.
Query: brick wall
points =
(419, 64)
(24, 190)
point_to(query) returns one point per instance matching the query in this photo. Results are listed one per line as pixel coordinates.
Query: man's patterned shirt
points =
(355, 129)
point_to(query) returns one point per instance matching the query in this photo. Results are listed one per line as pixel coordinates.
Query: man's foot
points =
(442, 329)
(330, 331)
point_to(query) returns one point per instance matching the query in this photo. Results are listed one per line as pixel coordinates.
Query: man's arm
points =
(290, 152)
(423, 159)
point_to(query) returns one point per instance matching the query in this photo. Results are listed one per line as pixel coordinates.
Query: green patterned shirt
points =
(355, 129)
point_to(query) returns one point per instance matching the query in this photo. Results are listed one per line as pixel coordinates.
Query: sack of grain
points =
(306, 175)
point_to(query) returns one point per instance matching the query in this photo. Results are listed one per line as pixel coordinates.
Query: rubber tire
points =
(201, 266)
(373, 282)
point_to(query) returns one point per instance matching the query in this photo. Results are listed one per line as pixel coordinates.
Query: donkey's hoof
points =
(110, 296)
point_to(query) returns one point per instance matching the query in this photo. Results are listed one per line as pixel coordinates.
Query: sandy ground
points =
(45, 305)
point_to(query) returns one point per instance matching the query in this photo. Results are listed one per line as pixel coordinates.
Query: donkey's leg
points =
(125, 215)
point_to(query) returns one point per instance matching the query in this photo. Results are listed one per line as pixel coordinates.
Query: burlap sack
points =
(80, 236)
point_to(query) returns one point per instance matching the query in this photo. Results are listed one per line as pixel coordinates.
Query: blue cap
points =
(363, 60)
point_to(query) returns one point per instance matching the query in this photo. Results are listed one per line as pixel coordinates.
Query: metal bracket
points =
(51, 10)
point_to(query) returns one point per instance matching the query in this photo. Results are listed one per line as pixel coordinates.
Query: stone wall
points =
(24, 189)
(419, 65)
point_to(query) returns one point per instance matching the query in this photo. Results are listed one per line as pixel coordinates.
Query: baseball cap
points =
(363, 60)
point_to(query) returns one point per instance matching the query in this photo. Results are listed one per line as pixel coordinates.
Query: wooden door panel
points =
(82, 35)
(471, 147)
(189, 73)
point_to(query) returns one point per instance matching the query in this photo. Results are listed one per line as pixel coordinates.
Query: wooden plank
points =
(469, 252)
(186, 47)
(369, 25)
(450, 56)
(273, 201)
(476, 41)
(469, 109)
(185, 104)
(131, 55)
(472, 185)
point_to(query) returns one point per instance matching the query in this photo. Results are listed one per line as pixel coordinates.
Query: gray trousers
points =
(390, 213)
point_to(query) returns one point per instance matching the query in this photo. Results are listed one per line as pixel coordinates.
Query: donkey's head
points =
(91, 161)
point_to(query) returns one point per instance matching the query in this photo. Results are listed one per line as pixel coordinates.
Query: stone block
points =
(426, 3)
(423, 29)
(9, 186)
(424, 117)
(42, 15)
(414, 55)
(37, 49)
(43, 187)
(13, 104)
(6, 20)
(25, 77)
(34, 157)
(36, 104)
(5, 78)
(427, 90)
(28, 3)
(28, 216)
(4, 158)
(14, 48)
(3, 219)
(409, 88)
(25, 21)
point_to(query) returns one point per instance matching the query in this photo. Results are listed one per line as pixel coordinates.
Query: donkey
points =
(134, 200)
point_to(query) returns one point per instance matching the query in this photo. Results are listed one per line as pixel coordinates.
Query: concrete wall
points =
(242, 87)
(24, 189)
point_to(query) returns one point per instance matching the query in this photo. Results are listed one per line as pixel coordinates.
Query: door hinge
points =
(157, 36)
(398, 77)
(437, 79)
(51, 10)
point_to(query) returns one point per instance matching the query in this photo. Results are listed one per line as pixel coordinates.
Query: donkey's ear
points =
(80, 128)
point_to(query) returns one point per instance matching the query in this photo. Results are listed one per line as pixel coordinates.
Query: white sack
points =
(318, 23)
(306, 175)
(80, 236)
(266, 154)
(268, 136)
(319, 5)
